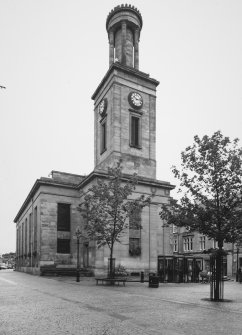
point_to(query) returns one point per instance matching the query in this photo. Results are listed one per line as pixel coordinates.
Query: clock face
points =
(102, 106)
(135, 100)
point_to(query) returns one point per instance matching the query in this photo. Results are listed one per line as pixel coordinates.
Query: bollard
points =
(141, 276)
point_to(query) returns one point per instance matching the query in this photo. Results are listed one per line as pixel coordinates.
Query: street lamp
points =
(78, 234)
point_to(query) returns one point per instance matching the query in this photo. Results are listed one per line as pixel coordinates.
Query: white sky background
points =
(54, 54)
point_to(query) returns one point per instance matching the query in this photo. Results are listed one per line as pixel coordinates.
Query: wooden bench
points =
(111, 281)
(53, 271)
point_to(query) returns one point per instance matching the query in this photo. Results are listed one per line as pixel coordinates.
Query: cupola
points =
(123, 25)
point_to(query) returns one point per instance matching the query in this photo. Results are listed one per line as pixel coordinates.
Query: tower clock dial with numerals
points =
(135, 100)
(103, 106)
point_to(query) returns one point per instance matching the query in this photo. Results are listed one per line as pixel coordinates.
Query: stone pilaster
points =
(136, 49)
(124, 38)
(111, 47)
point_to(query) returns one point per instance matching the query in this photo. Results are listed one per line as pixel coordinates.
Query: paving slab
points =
(60, 305)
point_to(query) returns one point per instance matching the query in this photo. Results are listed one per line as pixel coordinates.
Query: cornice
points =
(94, 174)
(126, 177)
(126, 69)
(122, 8)
(36, 186)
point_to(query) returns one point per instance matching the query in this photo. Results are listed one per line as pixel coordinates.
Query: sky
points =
(54, 53)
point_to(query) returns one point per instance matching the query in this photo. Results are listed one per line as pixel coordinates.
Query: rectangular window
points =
(202, 242)
(25, 238)
(135, 219)
(215, 244)
(135, 131)
(175, 247)
(134, 247)
(174, 229)
(63, 217)
(135, 232)
(191, 243)
(22, 244)
(103, 136)
(18, 241)
(30, 230)
(187, 243)
(35, 229)
(63, 246)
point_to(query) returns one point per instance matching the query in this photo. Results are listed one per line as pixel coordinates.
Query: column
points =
(111, 47)
(124, 31)
(136, 49)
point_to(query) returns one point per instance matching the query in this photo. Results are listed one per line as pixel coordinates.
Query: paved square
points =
(41, 305)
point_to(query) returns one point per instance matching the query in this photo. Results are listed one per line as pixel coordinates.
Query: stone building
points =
(189, 253)
(125, 130)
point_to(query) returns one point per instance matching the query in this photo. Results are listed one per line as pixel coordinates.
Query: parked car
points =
(3, 266)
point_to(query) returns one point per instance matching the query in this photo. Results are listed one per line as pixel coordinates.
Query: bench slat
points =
(111, 280)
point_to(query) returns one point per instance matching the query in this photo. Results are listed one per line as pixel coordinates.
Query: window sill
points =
(102, 152)
(63, 253)
(135, 146)
(137, 111)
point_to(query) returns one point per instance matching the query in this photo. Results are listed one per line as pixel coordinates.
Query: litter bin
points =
(153, 280)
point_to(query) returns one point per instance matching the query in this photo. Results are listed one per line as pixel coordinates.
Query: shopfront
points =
(179, 269)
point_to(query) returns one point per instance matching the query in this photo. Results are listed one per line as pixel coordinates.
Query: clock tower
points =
(125, 101)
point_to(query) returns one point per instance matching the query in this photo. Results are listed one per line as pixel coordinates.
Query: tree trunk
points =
(218, 279)
(111, 272)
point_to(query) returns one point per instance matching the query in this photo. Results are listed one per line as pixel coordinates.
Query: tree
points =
(211, 179)
(107, 208)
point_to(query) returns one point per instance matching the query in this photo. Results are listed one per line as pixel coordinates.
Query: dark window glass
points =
(22, 248)
(135, 219)
(25, 237)
(134, 247)
(63, 217)
(135, 131)
(63, 246)
(35, 229)
(30, 228)
(103, 137)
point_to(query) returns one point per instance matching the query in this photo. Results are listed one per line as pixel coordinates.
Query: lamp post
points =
(78, 234)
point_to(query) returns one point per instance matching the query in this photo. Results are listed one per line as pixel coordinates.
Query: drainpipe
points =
(149, 237)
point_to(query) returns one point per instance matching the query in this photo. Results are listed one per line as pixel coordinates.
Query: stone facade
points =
(36, 222)
(118, 83)
(37, 227)
(125, 131)
(183, 242)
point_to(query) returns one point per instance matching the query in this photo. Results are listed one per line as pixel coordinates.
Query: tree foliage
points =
(211, 179)
(108, 206)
